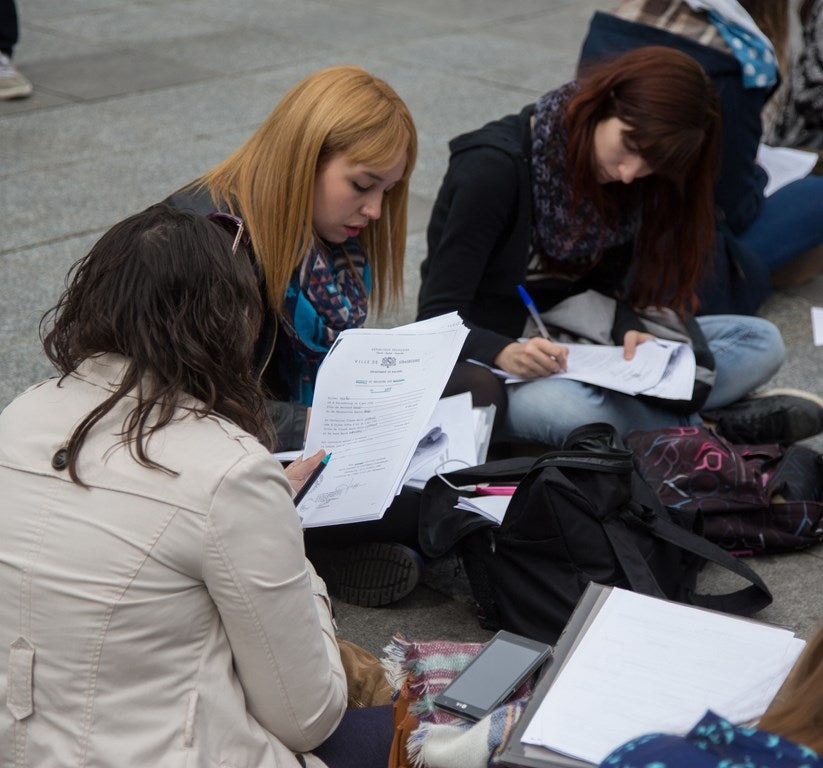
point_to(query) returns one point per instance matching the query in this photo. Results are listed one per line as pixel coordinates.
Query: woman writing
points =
(158, 608)
(600, 190)
(763, 241)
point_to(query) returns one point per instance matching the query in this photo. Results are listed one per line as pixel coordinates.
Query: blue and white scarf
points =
(327, 295)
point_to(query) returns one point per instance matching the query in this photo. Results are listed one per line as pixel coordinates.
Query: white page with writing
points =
(662, 368)
(647, 665)
(605, 366)
(677, 382)
(374, 394)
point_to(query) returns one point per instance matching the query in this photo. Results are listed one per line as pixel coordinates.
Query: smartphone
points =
(495, 673)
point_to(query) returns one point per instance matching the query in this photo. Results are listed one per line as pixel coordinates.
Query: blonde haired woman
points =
(320, 192)
(321, 188)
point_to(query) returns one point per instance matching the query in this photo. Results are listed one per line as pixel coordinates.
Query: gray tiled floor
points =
(135, 97)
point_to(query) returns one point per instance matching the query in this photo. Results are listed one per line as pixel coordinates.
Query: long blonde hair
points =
(269, 181)
(798, 715)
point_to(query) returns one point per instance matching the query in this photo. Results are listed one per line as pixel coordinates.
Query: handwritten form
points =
(660, 367)
(375, 392)
(647, 665)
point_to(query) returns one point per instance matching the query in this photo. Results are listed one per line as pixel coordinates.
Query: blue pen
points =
(538, 321)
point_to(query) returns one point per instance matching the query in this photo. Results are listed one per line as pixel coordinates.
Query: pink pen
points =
(496, 490)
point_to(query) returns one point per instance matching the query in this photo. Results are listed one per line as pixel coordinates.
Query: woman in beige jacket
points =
(156, 606)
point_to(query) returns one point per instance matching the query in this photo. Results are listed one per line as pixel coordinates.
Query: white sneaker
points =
(12, 84)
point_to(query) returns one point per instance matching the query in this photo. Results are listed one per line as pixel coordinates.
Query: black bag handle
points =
(744, 601)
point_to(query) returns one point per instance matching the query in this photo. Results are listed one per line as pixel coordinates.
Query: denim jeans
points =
(747, 352)
(789, 223)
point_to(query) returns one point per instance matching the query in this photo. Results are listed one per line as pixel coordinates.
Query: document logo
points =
(388, 362)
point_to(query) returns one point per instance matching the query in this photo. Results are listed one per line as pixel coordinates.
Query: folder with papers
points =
(629, 664)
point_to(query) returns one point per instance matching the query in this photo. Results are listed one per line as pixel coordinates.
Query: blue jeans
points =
(747, 352)
(790, 222)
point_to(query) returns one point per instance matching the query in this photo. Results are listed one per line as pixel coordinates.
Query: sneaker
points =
(774, 416)
(369, 574)
(12, 84)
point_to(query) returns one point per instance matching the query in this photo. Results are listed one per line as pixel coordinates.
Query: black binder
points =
(515, 753)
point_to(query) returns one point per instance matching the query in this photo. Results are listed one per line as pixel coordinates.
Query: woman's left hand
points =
(299, 470)
(631, 340)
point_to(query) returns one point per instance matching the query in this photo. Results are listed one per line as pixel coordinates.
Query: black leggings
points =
(8, 26)
(362, 740)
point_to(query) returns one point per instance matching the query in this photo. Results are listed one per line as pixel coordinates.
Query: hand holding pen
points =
(302, 473)
(538, 356)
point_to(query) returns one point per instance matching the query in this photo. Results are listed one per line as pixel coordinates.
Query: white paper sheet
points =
(448, 443)
(375, 392)
(784, 165)
(491, 507)
(817, 326)
(661, 368)
(647, 665)
(655, 369)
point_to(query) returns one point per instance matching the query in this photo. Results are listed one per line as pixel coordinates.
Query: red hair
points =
(671, 108)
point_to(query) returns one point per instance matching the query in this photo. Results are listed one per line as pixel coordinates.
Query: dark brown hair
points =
(671, 108)
(163, 289)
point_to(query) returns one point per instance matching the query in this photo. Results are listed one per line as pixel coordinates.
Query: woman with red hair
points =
(598, 199)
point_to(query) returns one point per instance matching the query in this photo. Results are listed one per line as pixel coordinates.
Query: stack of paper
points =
(659, 367)
(646, 665)
(374, 395)
(491, 507)
(456, 436)
(448, 442)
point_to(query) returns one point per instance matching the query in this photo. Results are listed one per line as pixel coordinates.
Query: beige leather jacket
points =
(152, 619)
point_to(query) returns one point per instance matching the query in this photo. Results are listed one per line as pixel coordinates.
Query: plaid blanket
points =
(443, 740)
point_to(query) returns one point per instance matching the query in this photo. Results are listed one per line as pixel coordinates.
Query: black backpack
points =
(579, 514)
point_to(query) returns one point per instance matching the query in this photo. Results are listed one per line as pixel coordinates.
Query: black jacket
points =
(738, 281)
(478, 242)
(478, 248)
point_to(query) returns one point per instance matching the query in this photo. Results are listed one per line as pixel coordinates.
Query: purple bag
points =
(754, 499)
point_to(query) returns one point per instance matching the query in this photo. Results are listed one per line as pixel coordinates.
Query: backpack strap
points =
(744, 601)
(640, 576)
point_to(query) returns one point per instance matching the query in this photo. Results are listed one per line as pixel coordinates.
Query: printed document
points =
(375, 392)
(647, 665)
(660, 367)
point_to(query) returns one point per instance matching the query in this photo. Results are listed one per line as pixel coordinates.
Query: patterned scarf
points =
(327, 295)
(443, 740)
(566, 246)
